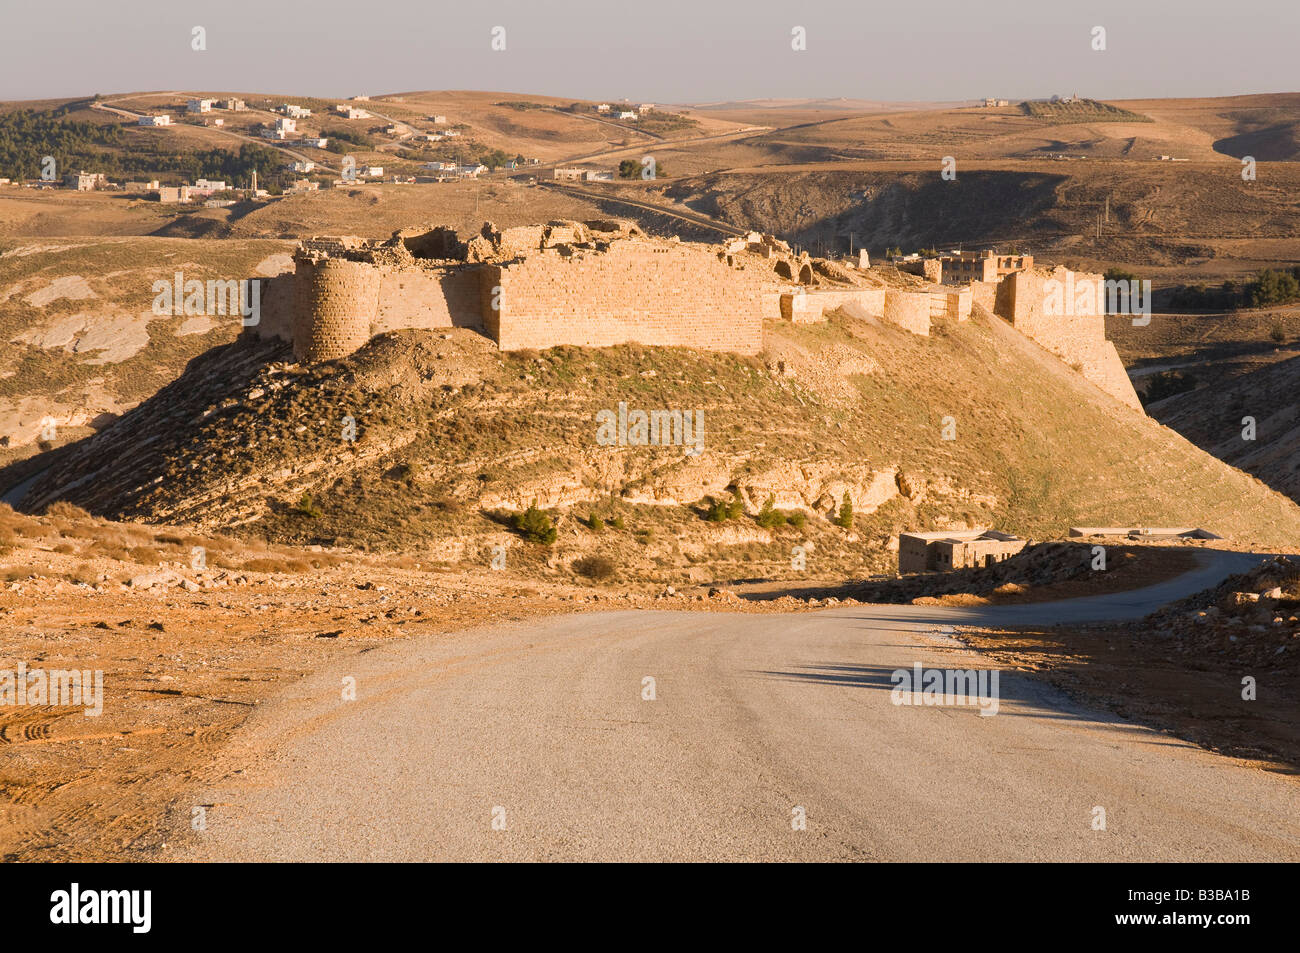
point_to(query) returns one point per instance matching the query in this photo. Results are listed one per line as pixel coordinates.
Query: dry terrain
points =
(184, 438)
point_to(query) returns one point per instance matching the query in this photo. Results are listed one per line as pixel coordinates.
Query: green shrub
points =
(307, 507)
(535, 526)
(769, 517)
(797, 519)
(719, 511)
(594, 523)
(845, 516)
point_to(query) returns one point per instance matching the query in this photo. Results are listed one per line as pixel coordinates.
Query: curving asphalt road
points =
(545, 727)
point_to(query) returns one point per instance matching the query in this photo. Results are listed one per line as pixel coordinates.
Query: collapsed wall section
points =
(662, 293)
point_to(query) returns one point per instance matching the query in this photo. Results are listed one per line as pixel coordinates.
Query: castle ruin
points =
(606, 283)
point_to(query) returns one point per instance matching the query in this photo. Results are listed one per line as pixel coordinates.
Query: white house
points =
(440, 166)
(351, 112)
(627, 114)
(199, 106)
(432, 137)
(438, 120)
(303, 166)
(602, 108)
(320, 142)
(294, 111)
(373, 171)
(451, 134)
(163, 120)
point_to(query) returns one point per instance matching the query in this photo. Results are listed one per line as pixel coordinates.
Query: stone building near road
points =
(947, 550)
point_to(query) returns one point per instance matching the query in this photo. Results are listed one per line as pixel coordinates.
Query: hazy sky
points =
(660, 50)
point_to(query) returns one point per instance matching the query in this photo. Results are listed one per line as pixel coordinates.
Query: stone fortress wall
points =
(605, 283)
(1065, 312)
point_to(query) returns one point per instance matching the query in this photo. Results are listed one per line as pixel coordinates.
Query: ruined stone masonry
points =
(605, 283)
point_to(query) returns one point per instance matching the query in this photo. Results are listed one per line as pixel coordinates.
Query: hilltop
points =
(452, 436)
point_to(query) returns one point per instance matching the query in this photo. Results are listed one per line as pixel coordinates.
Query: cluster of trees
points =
(1268, 288)
(462, 153)
(28, 135)
(341, 140)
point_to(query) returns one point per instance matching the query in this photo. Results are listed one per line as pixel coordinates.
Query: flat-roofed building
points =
(947, 550)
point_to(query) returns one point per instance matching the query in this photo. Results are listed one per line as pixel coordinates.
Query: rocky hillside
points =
(1211, 417)
(81, 341)
(451, 437)
(1161, 214)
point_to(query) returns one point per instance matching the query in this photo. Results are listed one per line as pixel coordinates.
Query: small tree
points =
(536, 526)
(594, 523)
(769, 517)
(845, 516)
(797, 519)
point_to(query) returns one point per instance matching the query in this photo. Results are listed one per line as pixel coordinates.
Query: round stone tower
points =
(336, 301)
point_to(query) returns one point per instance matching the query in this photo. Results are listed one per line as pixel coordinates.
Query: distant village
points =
(313, 174)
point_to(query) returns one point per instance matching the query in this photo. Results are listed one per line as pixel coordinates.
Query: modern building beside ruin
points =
(955, 549)
(606, 283)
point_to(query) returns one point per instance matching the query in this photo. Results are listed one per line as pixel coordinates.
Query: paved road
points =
(753, 717)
